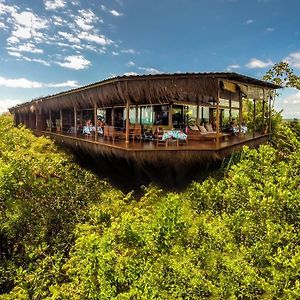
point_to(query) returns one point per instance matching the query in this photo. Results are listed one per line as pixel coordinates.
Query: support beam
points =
(263, 112)
(240, 113)
(137, 115)
(230, 110)
(127, 121)
(95, 122)
(75, 121)
(218, 115)
(170, 119)
(112, 116)
(197, 113)
(50, 121)
(270, 114)
(254, 117)
(61, 120)
(36, 119)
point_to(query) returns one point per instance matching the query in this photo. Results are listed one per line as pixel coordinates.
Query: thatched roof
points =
(148, 89)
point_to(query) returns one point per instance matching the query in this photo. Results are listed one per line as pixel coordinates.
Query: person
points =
(233, 127)
(244, 128)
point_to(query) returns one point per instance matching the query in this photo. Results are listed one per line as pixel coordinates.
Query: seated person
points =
(233, 128)
(244, 128)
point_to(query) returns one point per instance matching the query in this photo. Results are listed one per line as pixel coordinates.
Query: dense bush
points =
(234, 238)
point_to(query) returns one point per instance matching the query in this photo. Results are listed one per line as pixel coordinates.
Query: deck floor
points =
(137, 145)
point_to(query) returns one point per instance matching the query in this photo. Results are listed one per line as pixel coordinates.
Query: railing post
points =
(50, 121)
(95, 122)
(75, 120)
(61, 120)
(263, 112)
(127, 120)
(240, 113)
(254, 117)
(218, 115)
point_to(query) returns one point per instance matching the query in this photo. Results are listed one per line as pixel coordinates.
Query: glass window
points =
(146, 114)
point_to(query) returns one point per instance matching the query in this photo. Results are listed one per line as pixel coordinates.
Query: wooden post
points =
(137, 115)
(263, 112)
(270, 114)
(112, 116)
(170, 120)
(254, 117)
(230, 110)
(75, 121)
(50, 121)
(61, 120)
(36, 119)
(197, 113)
(95, 122)
(202, 114)
(240, 113)
(218, 115)
(127, 121)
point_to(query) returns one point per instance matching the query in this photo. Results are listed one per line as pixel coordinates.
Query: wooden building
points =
(126, 117)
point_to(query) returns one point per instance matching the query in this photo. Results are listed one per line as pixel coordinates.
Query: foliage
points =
(234, 238)
(282, 74)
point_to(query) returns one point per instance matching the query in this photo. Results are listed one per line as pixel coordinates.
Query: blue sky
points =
(47, 46)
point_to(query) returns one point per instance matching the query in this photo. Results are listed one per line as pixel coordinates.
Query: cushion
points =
(202, 129)
(194, 127)
(209, 127)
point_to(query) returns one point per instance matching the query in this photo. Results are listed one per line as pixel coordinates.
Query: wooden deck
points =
(150, 151)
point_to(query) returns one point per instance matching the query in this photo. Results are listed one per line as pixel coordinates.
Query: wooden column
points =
(61, 120)
(197, 113)
(137, 115)
(36, 119)
(112, 116)
(127, 121)
(218, 114)
(50, 121)
(230, 111)
(270, 114)
(254, 117)
(263, 112)
(75, 121)
(240, 113)
(202, 113)
(170, 119)
(95, 122)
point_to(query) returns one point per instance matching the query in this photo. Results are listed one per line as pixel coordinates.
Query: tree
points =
(282, 74)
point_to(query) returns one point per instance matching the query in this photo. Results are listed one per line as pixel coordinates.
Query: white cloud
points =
(270, 29)
(130, 74)
(255, 63)
(115, 53)
(2, 25)
(19, 83)
(115, 13)
(5, 104)
(16, 54)
(27, 47)
(150, 70)
(69, 83)
(7, 9)
(54, 4)
(85, 19)
(130, 64)
(248, 22)
(29, 84)
(294, 60)
(292, 99)
(70, 37)
(28, 25)
(99, 39)
(13, 40)
(111, 11)
(232, 67)
(76, 62)
(38, 60)
(129, 51)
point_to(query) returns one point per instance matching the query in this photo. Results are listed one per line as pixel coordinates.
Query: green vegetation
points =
(67, 235)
